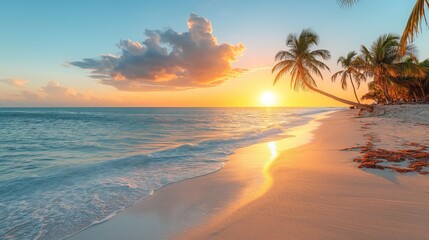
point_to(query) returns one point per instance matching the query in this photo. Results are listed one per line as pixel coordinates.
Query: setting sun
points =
(268, 99)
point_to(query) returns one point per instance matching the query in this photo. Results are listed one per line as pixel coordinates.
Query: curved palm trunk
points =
(359, 105)
(354, 89)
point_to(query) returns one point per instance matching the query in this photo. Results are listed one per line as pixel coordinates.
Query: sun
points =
(268, 99)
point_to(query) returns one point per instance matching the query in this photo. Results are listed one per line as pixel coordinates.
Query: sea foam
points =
(65, 169)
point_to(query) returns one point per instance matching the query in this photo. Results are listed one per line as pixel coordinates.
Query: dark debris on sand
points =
(416, 158)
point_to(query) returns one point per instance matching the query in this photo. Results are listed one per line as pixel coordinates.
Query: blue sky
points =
(38, 38)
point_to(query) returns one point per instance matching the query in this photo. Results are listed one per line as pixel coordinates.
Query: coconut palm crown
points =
(383, 62)
(350, 71)
(301, 61)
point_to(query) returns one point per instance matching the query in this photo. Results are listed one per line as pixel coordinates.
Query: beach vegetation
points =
(302, 62)
(413, 26)
(395, 77)
(393, 74)
(350, 72)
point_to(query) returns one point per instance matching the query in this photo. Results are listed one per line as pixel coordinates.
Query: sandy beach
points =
(135, 122)
(305, 186)
(318, 193)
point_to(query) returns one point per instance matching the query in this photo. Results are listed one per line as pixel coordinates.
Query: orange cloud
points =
(168, 60)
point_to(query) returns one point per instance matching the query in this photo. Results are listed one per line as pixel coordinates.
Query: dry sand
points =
(318, 193)
(305, 190)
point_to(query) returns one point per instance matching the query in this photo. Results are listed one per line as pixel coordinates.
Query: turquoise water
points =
(65, 169)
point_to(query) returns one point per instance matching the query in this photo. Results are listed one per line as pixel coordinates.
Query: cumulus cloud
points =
(30, 95)
(53, 89)
(168, 60)
(14, 82)
(54, 94)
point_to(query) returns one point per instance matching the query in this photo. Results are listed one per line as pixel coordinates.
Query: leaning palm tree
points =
(350, 71)
(383, 62)
(413, 24)
(301, 61)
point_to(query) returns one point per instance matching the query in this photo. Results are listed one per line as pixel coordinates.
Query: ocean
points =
(65, 169)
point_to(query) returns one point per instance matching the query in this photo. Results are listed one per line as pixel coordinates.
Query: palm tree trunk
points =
(423, 93)
(385, 92)
(415, 96)
(359, 105)
(383, 88)
(354, 89)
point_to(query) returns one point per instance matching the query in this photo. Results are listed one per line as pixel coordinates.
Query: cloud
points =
(168, 60)
(54, 94)
(29, 95)
(53, 89)
(14, 82)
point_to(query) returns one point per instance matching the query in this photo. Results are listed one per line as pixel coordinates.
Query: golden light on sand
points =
(268, 99)
(273, 149)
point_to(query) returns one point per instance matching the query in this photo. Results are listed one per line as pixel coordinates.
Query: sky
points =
(214, 53)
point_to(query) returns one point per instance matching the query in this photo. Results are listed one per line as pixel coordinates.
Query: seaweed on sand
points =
(401, 161)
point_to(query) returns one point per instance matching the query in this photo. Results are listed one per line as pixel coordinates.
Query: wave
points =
(184, 152)
(68, 198)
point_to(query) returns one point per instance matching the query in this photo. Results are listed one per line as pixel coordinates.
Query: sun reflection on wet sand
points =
(256, 160)
(273, 149)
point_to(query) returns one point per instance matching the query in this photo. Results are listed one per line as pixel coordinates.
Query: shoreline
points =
(183, 205)
(320, 193)
(310, 191)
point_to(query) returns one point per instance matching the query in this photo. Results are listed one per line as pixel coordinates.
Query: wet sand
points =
(301, 187)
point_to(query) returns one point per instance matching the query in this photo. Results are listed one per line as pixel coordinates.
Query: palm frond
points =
(324, 54)
(293, 75)
(282, 64)
(282, 72)
(341, 60)
(413, 26)
(335, 75)
(308, 79)
(344, 81)
(314, 69)
(347, 3)
(412, 70)
(283, 55)
(410, 52)
(366, 54)
(300, 60)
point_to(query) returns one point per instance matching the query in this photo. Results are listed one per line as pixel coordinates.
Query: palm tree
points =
(350, 70)
(373, 93)
(424, 82)
(383, 62)
(416, 85)
(413, 24)
(301, 61)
